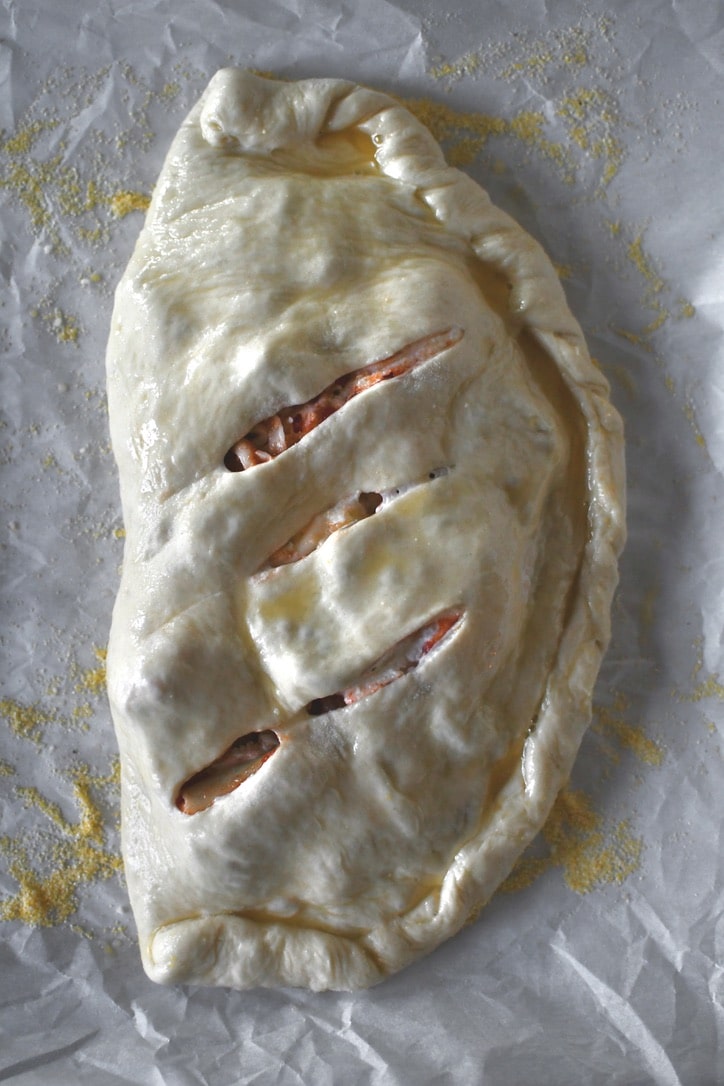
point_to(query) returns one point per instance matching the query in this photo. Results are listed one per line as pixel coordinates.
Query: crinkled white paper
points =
(607, 966)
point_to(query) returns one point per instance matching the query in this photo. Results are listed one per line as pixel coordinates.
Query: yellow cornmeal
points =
(74, 200)
(590, 115)
(639, 260)
(52, 865)
(90, 681)
(450, 126)
(690, 416)
(79, 857)
(576, 843)
(466, 65)
(654, 286)
(709, 688)
(93, 679)
(464, 135)
(611, 721)
(651, 300)
(64, 326)
(528, 127)
(567, 47)
(24, 138)
(29, 721)
(26, 721)
(638, 341)
(655, 324)
(589, 853)
(124, 202)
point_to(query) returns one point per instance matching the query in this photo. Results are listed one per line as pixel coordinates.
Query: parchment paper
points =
(601, 962)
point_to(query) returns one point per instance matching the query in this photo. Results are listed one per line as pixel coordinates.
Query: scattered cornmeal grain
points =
(655, 324)
(590, 115)
(465, 134)
(93, 679)
(124, 202)
(80, 857)
(25, 137)
(632, 337)
(27, 721)
(709, 688)
(64, 326)
(465, 65)
(447, 123)
(637, 257)
(612, 720)
(690, 416)
(654, 286)
(577, 844)
(528, 127)
(52, 864)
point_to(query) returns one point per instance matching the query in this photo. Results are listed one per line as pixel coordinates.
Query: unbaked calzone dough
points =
(373, 494)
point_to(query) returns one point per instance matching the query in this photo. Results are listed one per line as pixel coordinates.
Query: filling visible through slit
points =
(401, 658)
(273, 435)
(232, 768)
(346, 512)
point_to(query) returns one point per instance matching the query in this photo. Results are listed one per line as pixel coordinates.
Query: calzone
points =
(372, 487)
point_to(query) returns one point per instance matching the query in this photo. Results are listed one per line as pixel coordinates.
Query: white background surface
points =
(620, 984)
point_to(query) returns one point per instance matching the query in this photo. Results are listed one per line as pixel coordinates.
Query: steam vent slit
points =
(346, 512)
(403, 657)
(274, 435)
(243, 758)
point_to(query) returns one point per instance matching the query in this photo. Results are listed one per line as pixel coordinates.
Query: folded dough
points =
(373, 494)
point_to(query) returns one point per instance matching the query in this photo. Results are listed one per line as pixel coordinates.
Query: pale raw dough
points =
(298, 232)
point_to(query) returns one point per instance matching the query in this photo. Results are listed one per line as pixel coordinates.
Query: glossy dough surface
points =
(298, 233)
